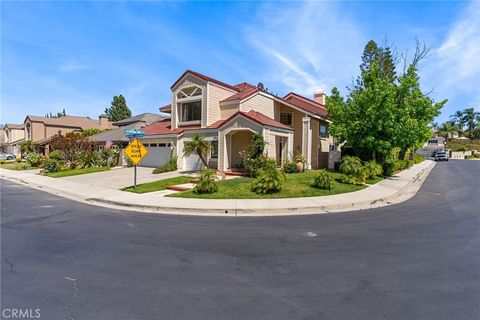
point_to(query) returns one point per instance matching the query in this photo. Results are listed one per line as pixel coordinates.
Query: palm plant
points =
(199, 146)
(457, 120)
(27, 146)
(469, 117)
(448, 129)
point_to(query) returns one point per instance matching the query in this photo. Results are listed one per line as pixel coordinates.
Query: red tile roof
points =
(306, 104)
(254, 116)
(204, 77)
(241, 95)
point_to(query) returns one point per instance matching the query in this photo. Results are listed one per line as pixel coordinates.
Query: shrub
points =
(206, 182)
(171, 165)
(388, 168)
(352, 169)
(255, 165)
(323, 180)
(268, 181)
(52, 165)
(18, 160)
(35, 159)
(253, 158)
(289, 167)
(2, 161)
(109, 157)
(372, 169)
(87, 159)
(57, 155)
(418, 158)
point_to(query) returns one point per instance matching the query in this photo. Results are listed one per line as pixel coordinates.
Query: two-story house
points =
(41, 130)
(228, 115)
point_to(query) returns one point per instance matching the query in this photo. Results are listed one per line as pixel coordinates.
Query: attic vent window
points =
(189, 92)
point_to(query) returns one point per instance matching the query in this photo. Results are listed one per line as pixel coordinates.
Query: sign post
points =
(135, 151)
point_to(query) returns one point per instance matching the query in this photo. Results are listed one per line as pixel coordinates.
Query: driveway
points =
(418, 260)
(119, 178)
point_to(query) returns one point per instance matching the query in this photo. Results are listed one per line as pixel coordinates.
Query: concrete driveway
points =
(119, 178)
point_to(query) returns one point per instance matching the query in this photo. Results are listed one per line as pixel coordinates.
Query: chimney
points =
(320, 96)
(103, 121)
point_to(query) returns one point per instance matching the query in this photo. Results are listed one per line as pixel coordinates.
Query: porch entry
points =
(237, 143)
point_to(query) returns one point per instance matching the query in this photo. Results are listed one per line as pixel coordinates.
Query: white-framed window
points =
(323, 131)
(286, 118)
(191, 111)
(214, 151)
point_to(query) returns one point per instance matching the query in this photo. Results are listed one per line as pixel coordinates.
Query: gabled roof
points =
(69, 122)
(255, 116)
(203, 77)
(116, 135)
(20, 126)
(306, 104)
(166, 108)
(143, 117)
(246, 90)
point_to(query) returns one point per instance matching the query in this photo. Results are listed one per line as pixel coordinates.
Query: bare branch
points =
(421, 52)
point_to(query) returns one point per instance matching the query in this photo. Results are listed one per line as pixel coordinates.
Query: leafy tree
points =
(71, 144)
(27, 146)
(385, 110)
(457, 120)
(199, 146)
(90, 132)
(118, 109)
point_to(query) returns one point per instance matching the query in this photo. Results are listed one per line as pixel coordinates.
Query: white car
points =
(6, 156)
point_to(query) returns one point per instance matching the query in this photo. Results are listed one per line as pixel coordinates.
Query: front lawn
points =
(296, 185)
(16, 166)
(158, 185)
(76, 172)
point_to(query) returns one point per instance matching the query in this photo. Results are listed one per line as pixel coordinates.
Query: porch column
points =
(307, 141)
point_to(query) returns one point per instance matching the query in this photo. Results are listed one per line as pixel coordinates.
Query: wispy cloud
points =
(73, 65)
(308, 46)
(455, 63)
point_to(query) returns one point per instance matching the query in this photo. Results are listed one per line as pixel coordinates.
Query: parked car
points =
(6, 156)
(441, 156)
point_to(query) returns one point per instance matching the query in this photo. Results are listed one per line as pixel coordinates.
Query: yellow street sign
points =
(135, 151)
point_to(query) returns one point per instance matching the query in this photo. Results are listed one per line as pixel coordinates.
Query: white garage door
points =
(192, 163)
(158, 154)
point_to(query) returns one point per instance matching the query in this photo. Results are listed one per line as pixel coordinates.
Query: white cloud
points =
(73, 65)
(454, 66)
(307, 46)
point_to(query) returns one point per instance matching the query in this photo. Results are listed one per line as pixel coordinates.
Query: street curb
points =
(236, 209)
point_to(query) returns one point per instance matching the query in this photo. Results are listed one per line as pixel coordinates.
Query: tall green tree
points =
(448, 129)
(118, 109)
(469, 119)
(384, 111)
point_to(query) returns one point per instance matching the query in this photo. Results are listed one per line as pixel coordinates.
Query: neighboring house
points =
(15, 134)
(434, 144)
(228, 115)
(117, 136)
(41, 130)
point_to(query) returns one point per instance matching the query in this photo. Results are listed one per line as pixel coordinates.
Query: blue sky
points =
(78, 55)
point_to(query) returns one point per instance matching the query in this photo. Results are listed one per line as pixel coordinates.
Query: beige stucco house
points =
(42, 129)
(15, 134)
(228, 115)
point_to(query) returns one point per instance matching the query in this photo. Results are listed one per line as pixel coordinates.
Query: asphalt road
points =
(416, 260)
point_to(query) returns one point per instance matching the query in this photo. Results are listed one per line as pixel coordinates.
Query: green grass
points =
(296, 185)
(158, 185)
(463, 145)
(374, 180)
(76, 172)
(16, 166)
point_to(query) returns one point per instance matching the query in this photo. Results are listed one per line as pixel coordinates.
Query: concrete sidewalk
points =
(389, 191)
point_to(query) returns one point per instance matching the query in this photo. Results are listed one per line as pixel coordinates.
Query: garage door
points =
(192, 163)
(158, 154)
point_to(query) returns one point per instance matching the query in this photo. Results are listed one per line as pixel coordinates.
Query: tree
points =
(71, 144)
(90, 132)
(448, 129)
(118, 109)
(27, 146)
(199, 146)
(383, 111)
(457, 119)
(469, 118)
